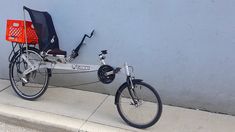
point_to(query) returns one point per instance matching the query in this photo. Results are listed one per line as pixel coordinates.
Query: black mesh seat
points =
(48, 40)
(57, 52)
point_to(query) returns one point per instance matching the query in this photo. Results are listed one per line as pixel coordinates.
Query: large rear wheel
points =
(34, 84)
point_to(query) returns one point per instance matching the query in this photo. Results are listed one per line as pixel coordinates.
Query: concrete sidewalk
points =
(62, 109)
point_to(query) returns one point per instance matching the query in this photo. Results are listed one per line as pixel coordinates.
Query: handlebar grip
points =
(104, 52)
(92, 33)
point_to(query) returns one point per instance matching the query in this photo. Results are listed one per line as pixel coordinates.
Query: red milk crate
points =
(15, 32)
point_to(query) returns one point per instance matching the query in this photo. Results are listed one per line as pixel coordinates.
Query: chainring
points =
(103, 77)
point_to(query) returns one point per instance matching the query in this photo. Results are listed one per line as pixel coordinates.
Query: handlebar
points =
(91, 34)
(74, 53)
(83, 39)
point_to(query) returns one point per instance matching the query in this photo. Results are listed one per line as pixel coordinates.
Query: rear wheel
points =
(34, 84)
(139, 107)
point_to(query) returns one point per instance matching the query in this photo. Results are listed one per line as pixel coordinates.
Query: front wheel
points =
(140, 106)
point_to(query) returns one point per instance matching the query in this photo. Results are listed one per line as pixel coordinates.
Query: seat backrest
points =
(45, 30)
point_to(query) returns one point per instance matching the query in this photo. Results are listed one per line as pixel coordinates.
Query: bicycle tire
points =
(149, 102)
(14, 71)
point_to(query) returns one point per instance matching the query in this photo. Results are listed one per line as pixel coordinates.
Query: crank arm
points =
(115, 71)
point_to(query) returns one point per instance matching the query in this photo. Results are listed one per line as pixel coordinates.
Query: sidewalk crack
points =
(5, 88)
(92, 113)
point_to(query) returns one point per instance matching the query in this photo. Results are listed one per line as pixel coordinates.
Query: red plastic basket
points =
(15, 32)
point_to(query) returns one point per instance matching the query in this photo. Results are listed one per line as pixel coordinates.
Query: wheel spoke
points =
(147, 109)
(35, 83)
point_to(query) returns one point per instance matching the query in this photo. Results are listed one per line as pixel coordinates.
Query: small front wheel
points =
(140, 106)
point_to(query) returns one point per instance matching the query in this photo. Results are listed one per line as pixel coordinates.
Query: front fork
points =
(131, 87)
(131, 90)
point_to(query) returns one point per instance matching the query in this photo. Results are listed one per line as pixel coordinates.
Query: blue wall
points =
(184, 48)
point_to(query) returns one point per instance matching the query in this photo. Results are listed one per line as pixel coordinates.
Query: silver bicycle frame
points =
(35, 65)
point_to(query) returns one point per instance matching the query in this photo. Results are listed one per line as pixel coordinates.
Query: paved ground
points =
(5, 127)
(62, 109)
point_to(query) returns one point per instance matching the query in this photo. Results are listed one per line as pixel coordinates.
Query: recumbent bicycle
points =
(31, 67)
